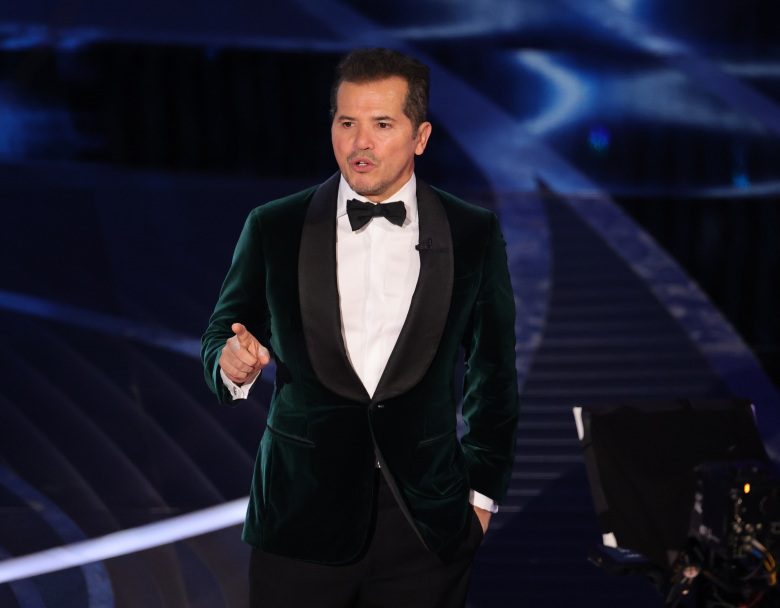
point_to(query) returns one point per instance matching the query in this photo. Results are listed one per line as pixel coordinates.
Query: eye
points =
(383, 125)
(346, 124)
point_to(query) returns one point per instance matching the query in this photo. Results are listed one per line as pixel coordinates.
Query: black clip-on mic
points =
(424, 245)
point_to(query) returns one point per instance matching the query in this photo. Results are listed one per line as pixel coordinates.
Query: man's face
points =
(373, 140)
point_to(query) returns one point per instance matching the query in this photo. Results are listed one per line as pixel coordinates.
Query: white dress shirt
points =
(377, 268)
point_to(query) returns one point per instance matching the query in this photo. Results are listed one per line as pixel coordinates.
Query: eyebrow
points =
(374, 118)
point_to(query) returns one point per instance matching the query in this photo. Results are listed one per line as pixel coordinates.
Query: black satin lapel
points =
(419, 338)
(319, 296)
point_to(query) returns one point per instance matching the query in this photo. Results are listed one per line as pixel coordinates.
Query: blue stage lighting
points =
(599, 139)
(740, 179)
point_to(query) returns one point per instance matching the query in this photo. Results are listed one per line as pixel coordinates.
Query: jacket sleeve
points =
(490, 400)
(241, 300)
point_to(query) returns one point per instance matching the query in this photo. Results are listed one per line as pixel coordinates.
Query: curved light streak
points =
(568, 97)
(27, 594)
(96, 579)
(108, 324)
(758, 189)
(627, 6)
(104, 323)
(665, 95)
(752, 69)
(680, 56)
(125, 542)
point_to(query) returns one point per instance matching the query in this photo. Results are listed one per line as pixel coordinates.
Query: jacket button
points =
(380, 406)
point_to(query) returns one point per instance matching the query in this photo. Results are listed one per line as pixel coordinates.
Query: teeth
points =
(361, 164)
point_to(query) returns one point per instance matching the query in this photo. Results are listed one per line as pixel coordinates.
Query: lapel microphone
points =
(425, 245)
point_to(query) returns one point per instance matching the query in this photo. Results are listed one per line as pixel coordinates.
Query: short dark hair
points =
(368, 65)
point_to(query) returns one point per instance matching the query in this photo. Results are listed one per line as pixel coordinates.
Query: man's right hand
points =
(243, 357)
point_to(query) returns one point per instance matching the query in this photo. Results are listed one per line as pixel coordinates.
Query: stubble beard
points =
(377, 189)
(380, 189)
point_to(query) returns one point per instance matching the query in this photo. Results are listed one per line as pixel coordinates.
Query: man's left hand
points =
(484, 518)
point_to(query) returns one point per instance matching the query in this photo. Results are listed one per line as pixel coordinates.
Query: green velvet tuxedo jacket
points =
(311, 494)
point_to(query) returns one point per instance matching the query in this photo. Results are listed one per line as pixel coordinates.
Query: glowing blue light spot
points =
(740, 180)
(32, 130)
(76, 39)
(627, 6)
(25, 37)
(599, 138)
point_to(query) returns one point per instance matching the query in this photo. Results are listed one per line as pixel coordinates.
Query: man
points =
(363, 289)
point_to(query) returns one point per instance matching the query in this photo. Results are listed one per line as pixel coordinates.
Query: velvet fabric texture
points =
(312, 489)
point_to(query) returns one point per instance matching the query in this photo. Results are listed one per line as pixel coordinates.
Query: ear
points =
(423, 133)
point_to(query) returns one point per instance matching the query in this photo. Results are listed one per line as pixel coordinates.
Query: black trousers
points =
(395, 571)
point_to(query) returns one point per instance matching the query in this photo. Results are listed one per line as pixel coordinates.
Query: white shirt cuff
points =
(482, 501)
(236, 391)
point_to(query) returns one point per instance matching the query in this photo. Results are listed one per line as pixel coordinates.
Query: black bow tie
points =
(361, 213)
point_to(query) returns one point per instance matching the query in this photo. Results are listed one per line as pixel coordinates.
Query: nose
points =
(363, 140)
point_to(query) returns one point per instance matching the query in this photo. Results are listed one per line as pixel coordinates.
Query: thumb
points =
(238, 329)
(263, 356)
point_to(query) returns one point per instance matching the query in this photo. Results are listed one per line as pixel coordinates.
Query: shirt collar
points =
(407, 194)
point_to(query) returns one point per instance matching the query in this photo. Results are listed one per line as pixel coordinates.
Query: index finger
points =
(243, 335)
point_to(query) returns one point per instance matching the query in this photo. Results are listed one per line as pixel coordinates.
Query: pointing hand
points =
(243, 356)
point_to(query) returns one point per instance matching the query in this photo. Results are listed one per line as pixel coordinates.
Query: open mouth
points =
(362, 164)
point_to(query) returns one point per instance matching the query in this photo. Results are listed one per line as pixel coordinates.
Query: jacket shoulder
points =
(466, 219)
(280, 208)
